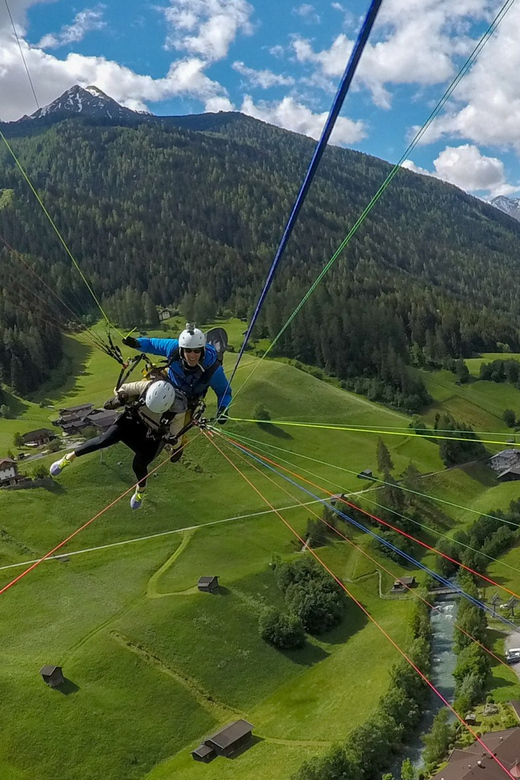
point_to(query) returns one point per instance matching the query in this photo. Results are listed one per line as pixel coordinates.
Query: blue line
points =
(343, 88)
(476, 602)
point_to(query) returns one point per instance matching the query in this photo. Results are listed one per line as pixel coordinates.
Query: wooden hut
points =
(52, 675)
(208, 584)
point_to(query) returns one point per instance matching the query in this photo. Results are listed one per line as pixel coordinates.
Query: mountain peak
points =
(85, 101)
(509, 206)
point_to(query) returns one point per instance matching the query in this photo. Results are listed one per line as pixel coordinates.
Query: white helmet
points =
(192, 338)
(159, 396)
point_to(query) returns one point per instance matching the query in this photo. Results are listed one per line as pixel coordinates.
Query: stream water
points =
(444, 659)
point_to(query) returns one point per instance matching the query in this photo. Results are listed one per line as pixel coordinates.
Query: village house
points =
(38, 438)
(476, 762)
(74, 420)
(9, 472)
(165, 314)
(506, 464)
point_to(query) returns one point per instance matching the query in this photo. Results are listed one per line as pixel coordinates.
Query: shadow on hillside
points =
(308, 655)
(16, 405)
(274, 430)
(353, 621)
(480, 472)
(70, 387)
(67, 687)
(51, 486)
(250, 744)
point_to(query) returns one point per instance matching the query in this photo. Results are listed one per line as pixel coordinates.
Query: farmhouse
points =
(8, 470)
(165, 314)
(403, 583)
(504, 460)
(52, 675)
(74, 420)
(208, 584)
(225, 742)
(39, 437)
(468, 764)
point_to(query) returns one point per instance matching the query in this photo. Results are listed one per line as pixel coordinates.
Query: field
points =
(152, 665)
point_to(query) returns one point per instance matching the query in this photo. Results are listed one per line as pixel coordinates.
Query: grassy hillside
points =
(153, 665)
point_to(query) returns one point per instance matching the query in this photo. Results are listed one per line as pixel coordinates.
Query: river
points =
(442, 622)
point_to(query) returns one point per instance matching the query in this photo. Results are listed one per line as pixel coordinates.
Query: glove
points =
(129, 341)
(222, 416)
(118, 400)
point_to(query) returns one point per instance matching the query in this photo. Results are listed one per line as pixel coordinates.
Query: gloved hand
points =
(118, 400)
(222, 416)
(129, 341)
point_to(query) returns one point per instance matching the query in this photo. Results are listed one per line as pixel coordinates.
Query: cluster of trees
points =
(473, 662)
(128, 309)
(30, 337)
(488, 537)
(501, 371)
(316, 603)
(369, 748)
(202, 227)
(462, 445)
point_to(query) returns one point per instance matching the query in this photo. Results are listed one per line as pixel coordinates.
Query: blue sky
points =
(281, 61)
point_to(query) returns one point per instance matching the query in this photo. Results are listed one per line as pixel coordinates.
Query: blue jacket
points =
(193, 384)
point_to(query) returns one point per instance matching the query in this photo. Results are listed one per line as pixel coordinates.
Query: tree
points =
(437, 741)
(509, 417)
(40, 472)
(18, 440)
(461, 371)
(384, 461)
(283, 631)
(5, 411)
(407, 770)
(261, 413)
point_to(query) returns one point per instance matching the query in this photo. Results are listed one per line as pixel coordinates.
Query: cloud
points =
(307, 12)
(415, 42)
(467, 168)
(207, 27)
(485, 108)
(52, 76)
(291, 115)
(84, 22)
(262, 78)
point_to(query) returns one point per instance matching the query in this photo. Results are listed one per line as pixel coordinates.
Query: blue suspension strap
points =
(345, 83)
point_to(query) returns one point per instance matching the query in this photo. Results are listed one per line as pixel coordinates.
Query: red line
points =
(78, 530)
(377, 519)
(377, 563)
(369, 616)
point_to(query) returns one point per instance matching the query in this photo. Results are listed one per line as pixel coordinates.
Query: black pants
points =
(133, 433)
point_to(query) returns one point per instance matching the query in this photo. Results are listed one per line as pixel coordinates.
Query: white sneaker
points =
(137, 499)
(58, 466)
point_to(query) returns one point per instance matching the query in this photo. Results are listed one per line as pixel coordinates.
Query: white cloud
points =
(84, 22)
(52, 76)
(307, 12)
(262, 78)
(415, 42)
(207, 27)
(467, 168)
(294, 116)
(485, 108)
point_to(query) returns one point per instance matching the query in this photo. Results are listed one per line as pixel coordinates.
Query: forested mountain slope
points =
(190, 209)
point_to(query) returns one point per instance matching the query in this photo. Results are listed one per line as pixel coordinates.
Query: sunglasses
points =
(196, 351)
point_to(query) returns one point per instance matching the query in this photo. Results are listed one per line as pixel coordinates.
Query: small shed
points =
(229, 739)
(208, 584)
(203, 753)
(52, 675)
(403, 583)
(365, 474)
(333, 500)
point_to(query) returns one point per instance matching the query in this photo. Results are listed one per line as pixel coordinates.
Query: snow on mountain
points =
(89, 101)
(509, 206)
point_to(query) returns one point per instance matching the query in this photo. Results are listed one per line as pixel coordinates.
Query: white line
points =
(155, 536)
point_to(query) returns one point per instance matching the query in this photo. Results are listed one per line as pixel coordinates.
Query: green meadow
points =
(152, 665)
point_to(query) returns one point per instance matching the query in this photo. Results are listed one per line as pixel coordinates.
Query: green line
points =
(393, 511)
(378, 431)
(375, 479)
(56, 229)
(447, 94)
